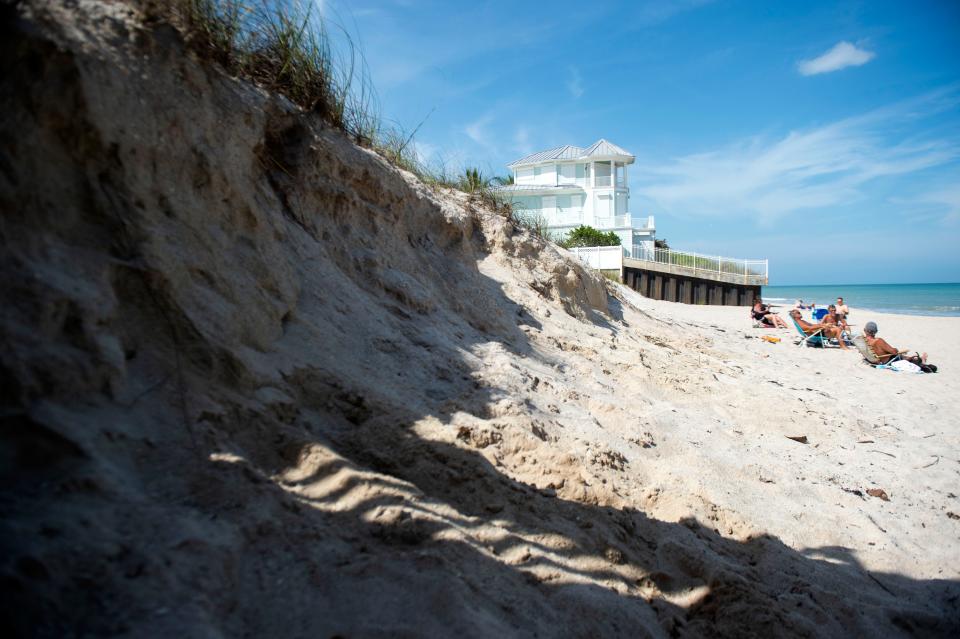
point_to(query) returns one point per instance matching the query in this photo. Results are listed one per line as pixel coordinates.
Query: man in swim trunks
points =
(827, 330)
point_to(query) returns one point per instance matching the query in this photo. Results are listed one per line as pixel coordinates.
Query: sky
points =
(824, 136)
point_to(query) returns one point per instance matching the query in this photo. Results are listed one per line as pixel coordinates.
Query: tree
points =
(589, 236)
(661, 244)
(473, 181)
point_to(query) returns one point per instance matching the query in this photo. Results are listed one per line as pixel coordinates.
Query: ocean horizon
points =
(908, 299)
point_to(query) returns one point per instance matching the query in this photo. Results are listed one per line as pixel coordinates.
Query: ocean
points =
(908, 299)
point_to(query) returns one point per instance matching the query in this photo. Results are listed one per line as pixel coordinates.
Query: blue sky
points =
(824, 136)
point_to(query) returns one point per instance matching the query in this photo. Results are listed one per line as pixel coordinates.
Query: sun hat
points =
(870, 327)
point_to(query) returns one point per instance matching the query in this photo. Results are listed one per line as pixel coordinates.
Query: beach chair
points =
(816, 339)
(869, 356)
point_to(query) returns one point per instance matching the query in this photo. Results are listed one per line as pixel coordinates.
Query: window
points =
(567, 173)
(526, 203)
(603, 206)
(549, 205)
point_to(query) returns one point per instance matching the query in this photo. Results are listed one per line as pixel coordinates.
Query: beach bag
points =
(904, 366)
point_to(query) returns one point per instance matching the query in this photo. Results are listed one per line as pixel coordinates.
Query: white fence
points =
(601, 257)
(752, 271)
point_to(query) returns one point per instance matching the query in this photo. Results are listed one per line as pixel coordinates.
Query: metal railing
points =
(752, 271)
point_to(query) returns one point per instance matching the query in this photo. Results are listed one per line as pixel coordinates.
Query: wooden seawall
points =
(688, 285)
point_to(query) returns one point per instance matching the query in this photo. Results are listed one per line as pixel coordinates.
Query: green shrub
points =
(589, 236)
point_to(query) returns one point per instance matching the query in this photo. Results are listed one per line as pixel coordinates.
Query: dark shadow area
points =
(167, 474)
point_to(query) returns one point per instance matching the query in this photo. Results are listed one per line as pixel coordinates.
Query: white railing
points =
(752, 271)
(643, 222)
(613, 221)
(601, 257)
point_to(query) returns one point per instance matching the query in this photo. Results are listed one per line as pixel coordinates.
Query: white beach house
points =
(571, 186)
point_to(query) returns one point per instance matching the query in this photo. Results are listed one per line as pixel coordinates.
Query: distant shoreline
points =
(918, 300)
(782, 303)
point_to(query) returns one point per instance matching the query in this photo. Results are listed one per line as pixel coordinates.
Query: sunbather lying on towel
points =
(885, 352)
(762, 313)
(827, 330)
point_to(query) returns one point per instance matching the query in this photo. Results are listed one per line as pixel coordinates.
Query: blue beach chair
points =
(817, 339)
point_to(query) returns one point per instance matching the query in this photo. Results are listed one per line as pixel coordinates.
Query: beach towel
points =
(904, 366)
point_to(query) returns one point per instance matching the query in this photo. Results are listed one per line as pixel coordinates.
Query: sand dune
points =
(259, 382)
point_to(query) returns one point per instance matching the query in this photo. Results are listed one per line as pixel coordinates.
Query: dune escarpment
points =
(257, 381)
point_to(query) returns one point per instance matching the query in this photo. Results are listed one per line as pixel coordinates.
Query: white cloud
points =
(657, 11)
(841, 56)
(477, 132)
(575, 82)
(521, 141)
(425, 152)
(766, 177)
(941, 205)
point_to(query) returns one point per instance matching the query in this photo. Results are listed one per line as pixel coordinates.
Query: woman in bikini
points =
(761, 313)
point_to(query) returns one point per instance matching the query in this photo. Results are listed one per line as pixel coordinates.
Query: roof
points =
(536, 187)
(600, 148)
(603, 148)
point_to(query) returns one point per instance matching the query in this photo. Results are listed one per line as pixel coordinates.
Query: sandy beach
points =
(866, 428)
(258, 381)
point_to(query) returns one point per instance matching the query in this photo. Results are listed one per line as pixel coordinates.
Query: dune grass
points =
(288, 47)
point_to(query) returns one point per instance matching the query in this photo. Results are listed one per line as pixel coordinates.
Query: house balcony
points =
(624, 221)
(614, 221)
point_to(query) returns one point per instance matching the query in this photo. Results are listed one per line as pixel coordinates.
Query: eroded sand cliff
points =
(256, 381)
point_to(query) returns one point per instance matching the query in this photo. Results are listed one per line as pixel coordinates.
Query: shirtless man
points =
(883, 350)
(842, 309)
(834, 317)
(827, 330)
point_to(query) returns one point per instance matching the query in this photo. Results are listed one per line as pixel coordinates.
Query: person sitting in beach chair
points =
(762, 313)
(870, 357)
(821, 331)
(885, 353)
(833, 317)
